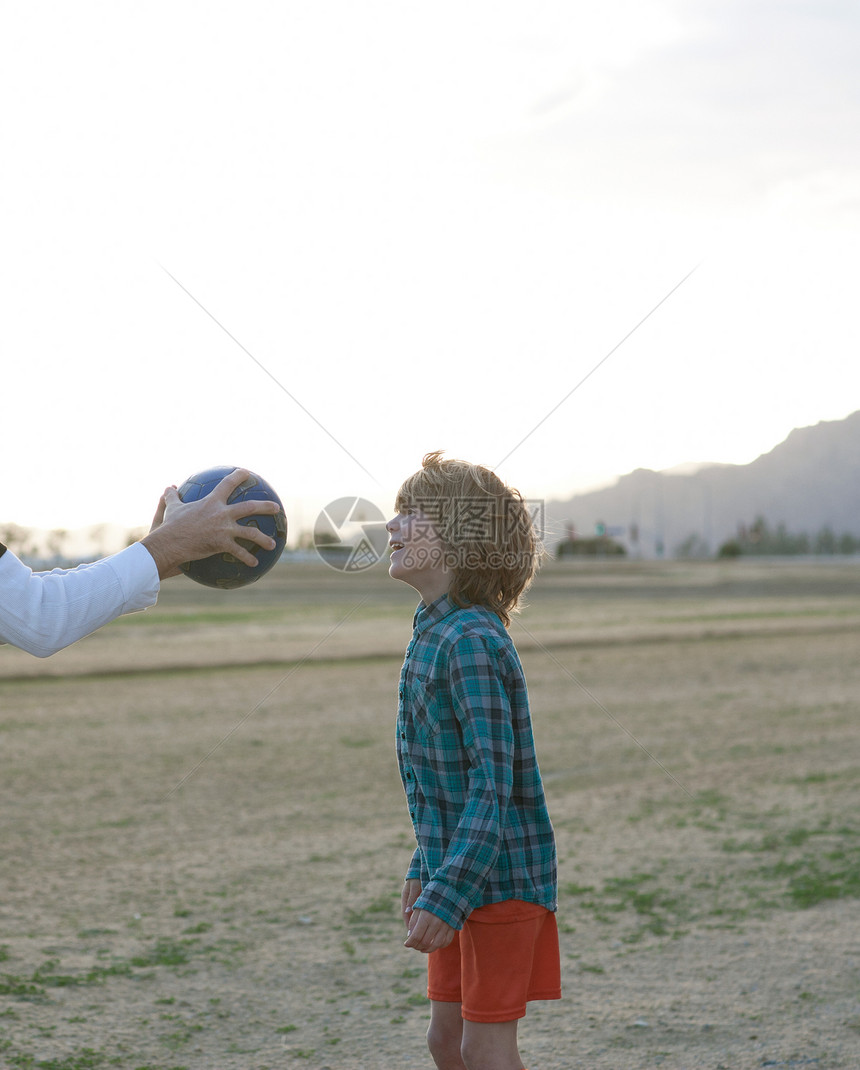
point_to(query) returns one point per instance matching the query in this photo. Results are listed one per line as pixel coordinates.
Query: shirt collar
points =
(429, 614)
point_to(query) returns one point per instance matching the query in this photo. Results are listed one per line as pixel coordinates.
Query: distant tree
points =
(825, 541)
(98, 534)
(782, 542)
(325, 538)
(306, 540)
(757, 531)
(693, 548)
(760, 539)
(18, 539)
(730, 548)
(599, 546)
(55, 540)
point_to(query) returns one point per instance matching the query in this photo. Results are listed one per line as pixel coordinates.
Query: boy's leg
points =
(491, 1046)
(458, 1045)
(445, 1035)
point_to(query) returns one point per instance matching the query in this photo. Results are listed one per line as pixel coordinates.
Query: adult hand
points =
(187, 531)
(428, 933)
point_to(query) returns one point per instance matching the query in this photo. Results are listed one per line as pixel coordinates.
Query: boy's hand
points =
(427, 932)
(411, 891)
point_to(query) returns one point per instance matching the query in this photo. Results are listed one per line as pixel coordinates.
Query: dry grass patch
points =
(202, 865)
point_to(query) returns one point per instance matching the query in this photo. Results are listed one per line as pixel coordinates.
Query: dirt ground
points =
(204, 835)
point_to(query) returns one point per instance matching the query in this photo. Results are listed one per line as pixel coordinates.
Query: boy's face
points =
(418, 553)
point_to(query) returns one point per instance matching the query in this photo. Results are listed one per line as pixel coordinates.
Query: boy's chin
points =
(397, 572)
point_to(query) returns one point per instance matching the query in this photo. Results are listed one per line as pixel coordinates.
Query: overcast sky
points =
(319, 240)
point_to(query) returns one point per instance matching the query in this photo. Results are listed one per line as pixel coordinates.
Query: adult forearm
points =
(43, 612)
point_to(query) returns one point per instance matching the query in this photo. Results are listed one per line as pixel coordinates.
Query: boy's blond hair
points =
(491, 546)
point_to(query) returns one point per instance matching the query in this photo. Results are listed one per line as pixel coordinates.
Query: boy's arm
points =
(483, 711)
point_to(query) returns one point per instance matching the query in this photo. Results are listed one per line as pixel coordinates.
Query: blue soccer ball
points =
(225, 570)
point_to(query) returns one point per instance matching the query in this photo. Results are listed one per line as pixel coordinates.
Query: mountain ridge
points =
(808, 481)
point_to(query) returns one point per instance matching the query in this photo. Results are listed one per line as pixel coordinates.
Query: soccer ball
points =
(225, 570)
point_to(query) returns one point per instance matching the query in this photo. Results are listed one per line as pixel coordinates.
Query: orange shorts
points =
(506, 955)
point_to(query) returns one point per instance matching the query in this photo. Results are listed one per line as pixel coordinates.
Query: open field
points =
(204, 834)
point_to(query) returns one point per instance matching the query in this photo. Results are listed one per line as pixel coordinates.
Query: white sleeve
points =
(42, 612)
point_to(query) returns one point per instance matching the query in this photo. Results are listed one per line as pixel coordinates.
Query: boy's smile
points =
(417, 553)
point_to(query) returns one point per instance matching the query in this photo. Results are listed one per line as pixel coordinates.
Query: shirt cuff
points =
(445, 902)
(137, 573)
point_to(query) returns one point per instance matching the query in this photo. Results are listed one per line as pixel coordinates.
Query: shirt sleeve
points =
(42, 612)
(483, 711)
(414, 870)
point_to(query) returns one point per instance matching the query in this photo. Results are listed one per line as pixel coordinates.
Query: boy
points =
(481, 890)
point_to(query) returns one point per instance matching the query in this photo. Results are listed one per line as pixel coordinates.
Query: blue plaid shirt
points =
(467, 761)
